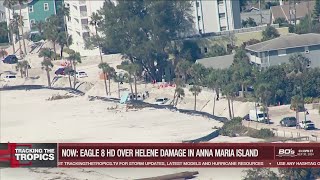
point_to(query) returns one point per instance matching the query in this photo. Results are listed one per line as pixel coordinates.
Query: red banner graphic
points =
(189, 155)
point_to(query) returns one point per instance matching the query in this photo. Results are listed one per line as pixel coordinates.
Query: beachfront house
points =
(277, 51)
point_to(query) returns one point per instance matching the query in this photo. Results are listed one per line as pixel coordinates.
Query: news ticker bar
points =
(159, 155)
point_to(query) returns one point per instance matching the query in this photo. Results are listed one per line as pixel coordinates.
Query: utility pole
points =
(260, 12)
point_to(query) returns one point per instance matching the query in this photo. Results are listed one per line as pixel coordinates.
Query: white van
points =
(257, 115)
(9, 77)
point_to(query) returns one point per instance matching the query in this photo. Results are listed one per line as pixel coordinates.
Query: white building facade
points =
(216, 15)
(78, 24)
(24, 14)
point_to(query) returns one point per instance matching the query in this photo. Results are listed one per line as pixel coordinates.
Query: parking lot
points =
(279, 112)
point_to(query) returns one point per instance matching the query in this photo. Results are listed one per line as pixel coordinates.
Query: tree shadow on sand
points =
(35, 87)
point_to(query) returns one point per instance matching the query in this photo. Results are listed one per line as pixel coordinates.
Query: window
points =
(46, 6)
(199, 18)
(32, 22)
(30, 8)
(222, 15)
(205, 50)
(223, 28)
(220, 2)
(282, 52)
(197, 4)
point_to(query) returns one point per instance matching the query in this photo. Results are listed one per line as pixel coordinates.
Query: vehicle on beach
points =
(60, 71)
(258, 116)
(246, 117)
(11, 59)
(161, 101)
(288, 122)
(307, 125)
(81, 74)
(9, 77)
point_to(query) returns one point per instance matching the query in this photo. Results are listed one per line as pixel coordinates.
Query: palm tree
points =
(119, 79)
(95, 21)
(264, 93)
(65, 13)
(75, 58)
(21, 2)
(181, 69)
(39, 25)
(179, 84)
(9, 4)
(20, 68)
(133, 70)
(195, 91)
(179, 94)
(51, 31)
(62, 41)
(105, 68)
(68, 70)
(3, 53)
(296, 103)
(15, 27)
(212, 82)
(47, 66)
(111, 74)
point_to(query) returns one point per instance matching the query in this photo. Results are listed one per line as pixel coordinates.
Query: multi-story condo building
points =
(2, 12)
(216, 15)
(33, 11)
(78, 25)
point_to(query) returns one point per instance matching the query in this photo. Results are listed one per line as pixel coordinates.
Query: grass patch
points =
(235, 128)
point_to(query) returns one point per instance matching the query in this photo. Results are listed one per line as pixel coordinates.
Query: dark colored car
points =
(246, 117)
(289, 122)
(11, 59)
(60, 71)
(63, 71)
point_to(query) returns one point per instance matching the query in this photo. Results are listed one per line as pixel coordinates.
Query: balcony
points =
(83, 14)
(85, 28)
(82, 2)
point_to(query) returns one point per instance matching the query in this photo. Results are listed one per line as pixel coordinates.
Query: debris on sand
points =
(58, 96)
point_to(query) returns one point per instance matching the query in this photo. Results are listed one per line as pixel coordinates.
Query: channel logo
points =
(289, 152)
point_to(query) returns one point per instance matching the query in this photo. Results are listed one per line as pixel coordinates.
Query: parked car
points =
(246, 117)
(81, 74)
(161, 101)
(288, 122)
(307, 125)
(11, 59)
(9, 77)
(59, 71)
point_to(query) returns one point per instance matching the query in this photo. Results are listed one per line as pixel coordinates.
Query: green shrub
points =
(68, 50)
(233, 127)
(36, 37)
(308, 100)
(262, 133)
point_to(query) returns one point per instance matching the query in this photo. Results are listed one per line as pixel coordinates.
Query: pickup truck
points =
(307, 125)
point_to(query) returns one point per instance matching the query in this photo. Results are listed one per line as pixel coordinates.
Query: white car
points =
(161, 101)
(81, 74)
(307, 124)
(9, 77)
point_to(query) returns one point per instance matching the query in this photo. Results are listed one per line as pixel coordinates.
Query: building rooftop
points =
(218, 62)
(302, 10)
(285, 42)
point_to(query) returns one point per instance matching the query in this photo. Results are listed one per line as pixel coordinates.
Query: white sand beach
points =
(27, 116)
